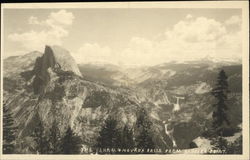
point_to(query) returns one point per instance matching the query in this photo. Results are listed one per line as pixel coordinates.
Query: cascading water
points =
(169, 133)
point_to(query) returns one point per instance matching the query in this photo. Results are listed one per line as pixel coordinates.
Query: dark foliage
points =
(228, 147)
(193, 145)
(126, 139)
(229, 131)
(220, 91)
(27, 75)
(64, 75)
(235, 147)
(40, 138)
(220, 143)
(71, 143)
(144, 136)
(54, 139)
(96, 99)
(121, 101)
(109, 135)
(221, 124)
(235, 80)
(9, 131)
(117, 140)
(185, 132)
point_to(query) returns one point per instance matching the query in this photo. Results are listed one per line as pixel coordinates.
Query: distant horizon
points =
(205, 58)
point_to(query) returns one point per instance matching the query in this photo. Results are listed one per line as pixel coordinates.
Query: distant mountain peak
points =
(212, 59)
(62, 58)
(54, 57)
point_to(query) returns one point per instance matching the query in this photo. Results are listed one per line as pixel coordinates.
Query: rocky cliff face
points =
(55, 58)
(58, 57)
(53, 89)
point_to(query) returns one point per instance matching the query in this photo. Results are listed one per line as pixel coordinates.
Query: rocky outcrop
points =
(56, 58)
(61, 58)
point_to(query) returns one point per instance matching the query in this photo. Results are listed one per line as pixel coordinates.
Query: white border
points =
(191, 4)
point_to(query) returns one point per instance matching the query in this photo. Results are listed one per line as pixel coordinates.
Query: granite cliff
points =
(53, 89)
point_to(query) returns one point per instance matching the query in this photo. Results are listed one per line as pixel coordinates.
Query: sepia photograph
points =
(139, 79)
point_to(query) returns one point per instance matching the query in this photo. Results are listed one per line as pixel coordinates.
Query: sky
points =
(129, 36)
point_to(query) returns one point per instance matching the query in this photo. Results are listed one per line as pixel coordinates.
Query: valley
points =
(50, 87)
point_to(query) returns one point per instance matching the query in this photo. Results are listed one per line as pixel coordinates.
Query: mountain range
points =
(51, 86)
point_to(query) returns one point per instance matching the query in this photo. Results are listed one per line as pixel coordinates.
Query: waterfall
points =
(170, 134)
(176, 107)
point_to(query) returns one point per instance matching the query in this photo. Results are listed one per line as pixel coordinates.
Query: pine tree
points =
(109, 135)
(126, 138)
(220, 119)
(9, 131)
(71, 143)
(41, 139)
(54, 139)
(144, 138)
(235, 147)
(220, 143)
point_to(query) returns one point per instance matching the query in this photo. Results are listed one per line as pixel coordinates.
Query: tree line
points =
(122, 140)
(221, 125)
(46, 142)
(117, 139)
(55, 143)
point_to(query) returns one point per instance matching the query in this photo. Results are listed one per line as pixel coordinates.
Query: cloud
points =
(186, 40)
(200, 29)
(189, 16)
(189, 39)
(60, 18)
(234, 20)
(93, 52)
(140, 45)
(53, 32)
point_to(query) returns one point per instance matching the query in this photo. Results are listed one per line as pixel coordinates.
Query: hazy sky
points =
(125, 36)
